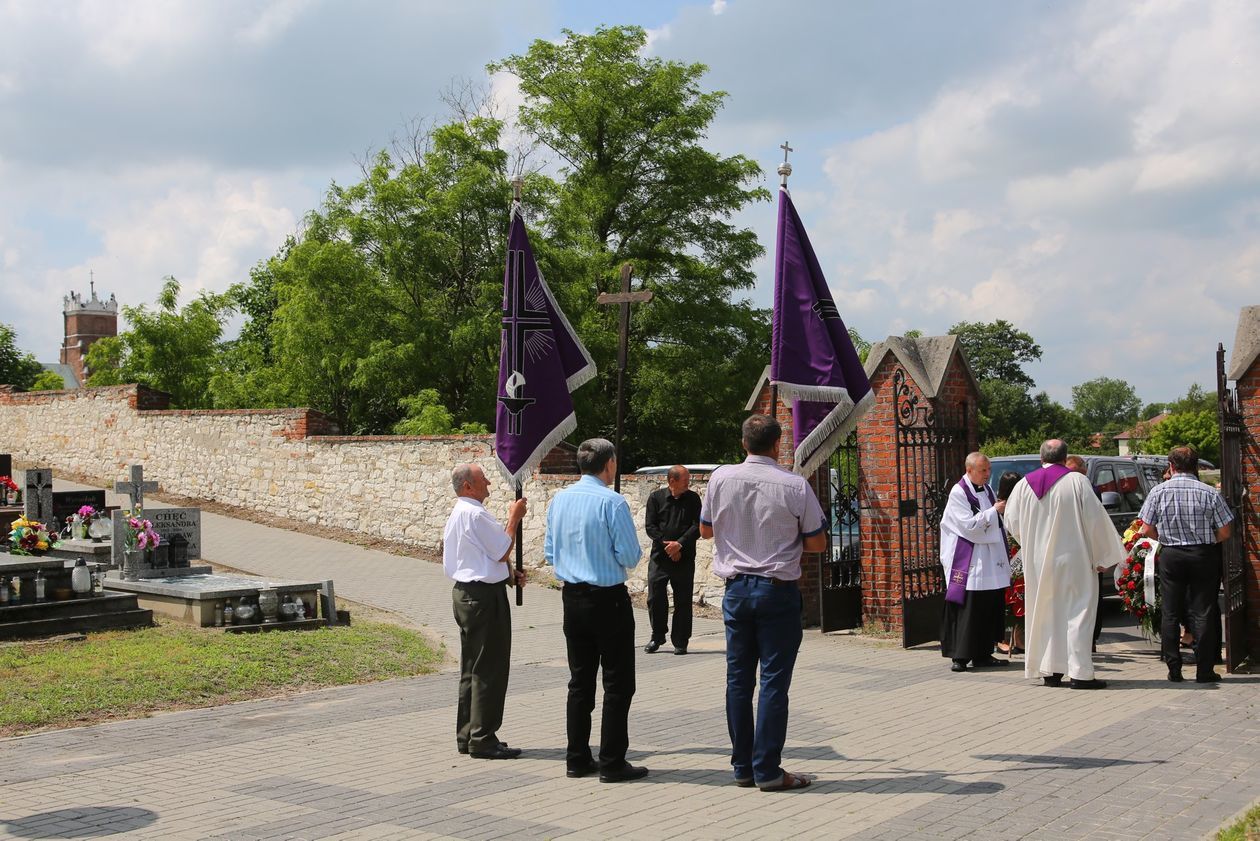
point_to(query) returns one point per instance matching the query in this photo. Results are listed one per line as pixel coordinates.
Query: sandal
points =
(789, 782)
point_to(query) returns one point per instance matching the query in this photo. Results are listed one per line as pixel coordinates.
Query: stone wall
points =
(276, 461)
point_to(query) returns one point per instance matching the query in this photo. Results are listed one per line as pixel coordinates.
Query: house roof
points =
(67, 373)
(1142, 429)
(925, 359)
(1246, 342)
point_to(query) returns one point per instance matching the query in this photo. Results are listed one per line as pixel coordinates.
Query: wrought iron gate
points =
(931, 454)
(841, 565)
(1233, 560)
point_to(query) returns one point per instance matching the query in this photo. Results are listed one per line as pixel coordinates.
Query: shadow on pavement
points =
(1078, 763)
(84, 822)
(931, 782)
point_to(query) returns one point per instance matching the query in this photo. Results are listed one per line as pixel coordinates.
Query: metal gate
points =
(840, 570)
(931, 454)
(1233, 560)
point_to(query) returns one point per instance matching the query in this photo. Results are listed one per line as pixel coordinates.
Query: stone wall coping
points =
(386, 439)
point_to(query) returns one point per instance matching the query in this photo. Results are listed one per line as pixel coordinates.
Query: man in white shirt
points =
(475, 551)
(977, 569)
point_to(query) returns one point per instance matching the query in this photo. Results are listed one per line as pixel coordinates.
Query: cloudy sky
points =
(1088, 171)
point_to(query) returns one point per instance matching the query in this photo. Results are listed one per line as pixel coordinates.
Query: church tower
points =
(87, 319)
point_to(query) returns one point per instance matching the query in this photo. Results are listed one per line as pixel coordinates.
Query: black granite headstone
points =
(67, 503)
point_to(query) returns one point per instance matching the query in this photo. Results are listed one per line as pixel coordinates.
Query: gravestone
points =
(68, 503)
(37, 499)
(180, 530)
(6, 464)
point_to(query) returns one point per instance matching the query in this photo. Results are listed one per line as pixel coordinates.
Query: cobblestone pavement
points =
(902, 747)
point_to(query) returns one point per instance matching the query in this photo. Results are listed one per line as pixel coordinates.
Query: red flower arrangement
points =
(1015, 592)
(1130, 580)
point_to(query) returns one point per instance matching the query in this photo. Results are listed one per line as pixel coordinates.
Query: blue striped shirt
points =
(1185, 511)
(591, 537)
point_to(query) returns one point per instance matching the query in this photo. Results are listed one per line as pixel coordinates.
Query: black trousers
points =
(598, 633)
(485, 649)
(679, 577)
(1189, 581)
(969, 630)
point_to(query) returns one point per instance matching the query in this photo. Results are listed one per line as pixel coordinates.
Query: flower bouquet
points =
(1015, 592)
(8, 490)
(29, 538)
(1131, 580)
(138, 536)
(78, 521)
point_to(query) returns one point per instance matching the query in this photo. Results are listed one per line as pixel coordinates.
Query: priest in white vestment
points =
(1066, 539)
(977, 569)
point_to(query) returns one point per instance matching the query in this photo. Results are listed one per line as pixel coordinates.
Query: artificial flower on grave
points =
(28, 537)
(138, 533)
(1130, 584)
(87, 512)
(7, 483)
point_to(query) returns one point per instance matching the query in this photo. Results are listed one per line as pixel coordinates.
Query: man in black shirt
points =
(673, 524)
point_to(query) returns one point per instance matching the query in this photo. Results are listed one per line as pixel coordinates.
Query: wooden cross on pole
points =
(136, 487)
(623, 299)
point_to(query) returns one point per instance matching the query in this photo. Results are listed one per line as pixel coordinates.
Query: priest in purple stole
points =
(1066, 538)
(977, 569)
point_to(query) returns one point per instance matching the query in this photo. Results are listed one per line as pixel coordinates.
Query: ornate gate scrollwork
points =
(841, 572)
(932, 443)
(1233, 561)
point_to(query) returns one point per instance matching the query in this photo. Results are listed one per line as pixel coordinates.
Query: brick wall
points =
(1248, 387)
(278, 462)
(877, 494)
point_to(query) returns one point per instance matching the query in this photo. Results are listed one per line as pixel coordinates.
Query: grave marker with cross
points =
(136, 487)
(623, 299)
(37, 499)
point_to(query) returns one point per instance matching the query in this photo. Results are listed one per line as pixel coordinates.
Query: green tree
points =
(1197, 429)
(1195, 400)
(48, 381)
(1106, 404)
(16, 368)
(170, 348)
(997, 350)
(427, 416)
(639, 186)
(104, 361)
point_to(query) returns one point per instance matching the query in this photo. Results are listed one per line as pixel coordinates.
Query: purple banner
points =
(541, 361)
(812, 358)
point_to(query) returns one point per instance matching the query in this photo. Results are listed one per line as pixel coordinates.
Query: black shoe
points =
(1174, 676)
(501, 751)
(464, 748)
(988, 662)
(1055, 679)
(958, 666)
(1092, 683)
(1210, 677)
(680, 649)
(573, 772)
(652, 647)
(623, 774)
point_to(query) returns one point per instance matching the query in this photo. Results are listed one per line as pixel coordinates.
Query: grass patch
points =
(1246, 828)
(129, 674)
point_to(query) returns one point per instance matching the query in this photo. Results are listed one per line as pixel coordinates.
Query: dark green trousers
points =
(485, 648)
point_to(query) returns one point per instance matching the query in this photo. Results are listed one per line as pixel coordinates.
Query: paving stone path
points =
(902, 747)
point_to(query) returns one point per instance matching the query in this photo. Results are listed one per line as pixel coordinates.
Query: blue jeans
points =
(763, 627)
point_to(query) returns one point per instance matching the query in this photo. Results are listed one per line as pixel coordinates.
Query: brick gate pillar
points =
(936, 371)
(1245, 371)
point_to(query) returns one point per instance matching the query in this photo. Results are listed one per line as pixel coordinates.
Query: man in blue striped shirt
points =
(591, 542)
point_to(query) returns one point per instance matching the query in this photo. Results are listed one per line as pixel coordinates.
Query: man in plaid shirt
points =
(1190, 520)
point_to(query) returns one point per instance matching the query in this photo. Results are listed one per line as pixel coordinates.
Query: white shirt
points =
(990, 561)
(473, 543)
